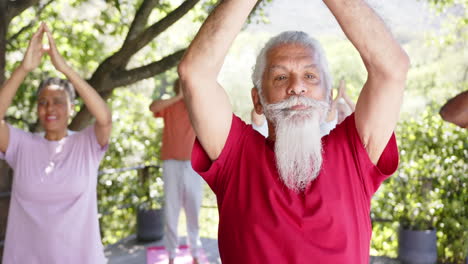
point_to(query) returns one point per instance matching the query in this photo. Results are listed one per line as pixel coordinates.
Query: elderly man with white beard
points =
(294, 197)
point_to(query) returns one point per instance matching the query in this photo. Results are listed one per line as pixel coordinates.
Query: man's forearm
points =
(387, 65)
(209, 48)
(199, 69)
(380, 52)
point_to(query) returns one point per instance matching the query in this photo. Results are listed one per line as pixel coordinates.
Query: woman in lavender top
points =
(53, 207)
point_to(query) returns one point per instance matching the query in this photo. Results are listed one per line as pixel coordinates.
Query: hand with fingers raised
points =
(57, 60)
(32, 57)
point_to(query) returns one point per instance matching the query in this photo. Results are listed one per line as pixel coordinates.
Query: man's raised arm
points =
(207, 102)
(387, 64)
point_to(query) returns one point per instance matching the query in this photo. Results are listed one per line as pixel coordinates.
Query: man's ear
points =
(256, 101)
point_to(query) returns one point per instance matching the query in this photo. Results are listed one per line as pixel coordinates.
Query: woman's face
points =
(53, 109)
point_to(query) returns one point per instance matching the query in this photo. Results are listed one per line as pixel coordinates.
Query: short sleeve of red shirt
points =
(215, 173)
(345, 141)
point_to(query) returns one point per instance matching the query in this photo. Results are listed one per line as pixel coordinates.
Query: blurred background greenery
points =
(95, 36)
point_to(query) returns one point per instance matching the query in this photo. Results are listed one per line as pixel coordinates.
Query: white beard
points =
(298, 146)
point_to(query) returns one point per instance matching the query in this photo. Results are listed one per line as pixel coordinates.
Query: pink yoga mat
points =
(158, 255)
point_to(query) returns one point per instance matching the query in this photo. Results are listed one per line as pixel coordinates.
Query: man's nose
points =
(296, 86)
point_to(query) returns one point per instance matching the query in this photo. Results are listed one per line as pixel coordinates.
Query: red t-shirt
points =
(178, 134)
(262, 221)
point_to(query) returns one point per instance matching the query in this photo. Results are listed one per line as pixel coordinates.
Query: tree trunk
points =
(83, 118)
(5, 183)
(109, 77)
(3, 32)
(5, 187)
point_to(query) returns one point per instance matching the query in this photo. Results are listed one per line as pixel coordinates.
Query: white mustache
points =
(296, 100)
(285, 107)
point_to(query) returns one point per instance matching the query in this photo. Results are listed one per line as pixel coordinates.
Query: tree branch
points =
(111, 72)
(141, 19)
(105, 84)
(11, 119)
(157, 28)
(4, 23)
(83, 117)
(15, 8)
(121, 58)
(147, 71)
(28, 26)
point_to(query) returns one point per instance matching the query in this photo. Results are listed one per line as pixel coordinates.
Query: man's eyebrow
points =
(313, 65)
(273, 67)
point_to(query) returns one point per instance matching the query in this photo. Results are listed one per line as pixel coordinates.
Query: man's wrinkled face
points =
(292, 69)
(294, 102)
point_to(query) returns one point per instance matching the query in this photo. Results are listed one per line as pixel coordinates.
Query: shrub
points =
(429, 189)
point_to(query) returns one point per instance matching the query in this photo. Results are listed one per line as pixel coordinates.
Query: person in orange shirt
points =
(182, 185)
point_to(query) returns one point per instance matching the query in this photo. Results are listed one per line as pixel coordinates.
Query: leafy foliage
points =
(457, 23)
(136, 140)
(430, 188)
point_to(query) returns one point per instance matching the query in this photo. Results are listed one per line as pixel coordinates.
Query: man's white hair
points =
(293, 37)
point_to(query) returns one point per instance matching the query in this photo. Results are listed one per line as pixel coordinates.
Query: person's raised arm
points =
(456, 110)
(96, 105)
(387, 64)
(158, 105)
(31, 60)
(208, 105)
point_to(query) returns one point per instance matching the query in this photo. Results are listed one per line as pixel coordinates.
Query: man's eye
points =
(310, 76)
(280, 78)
